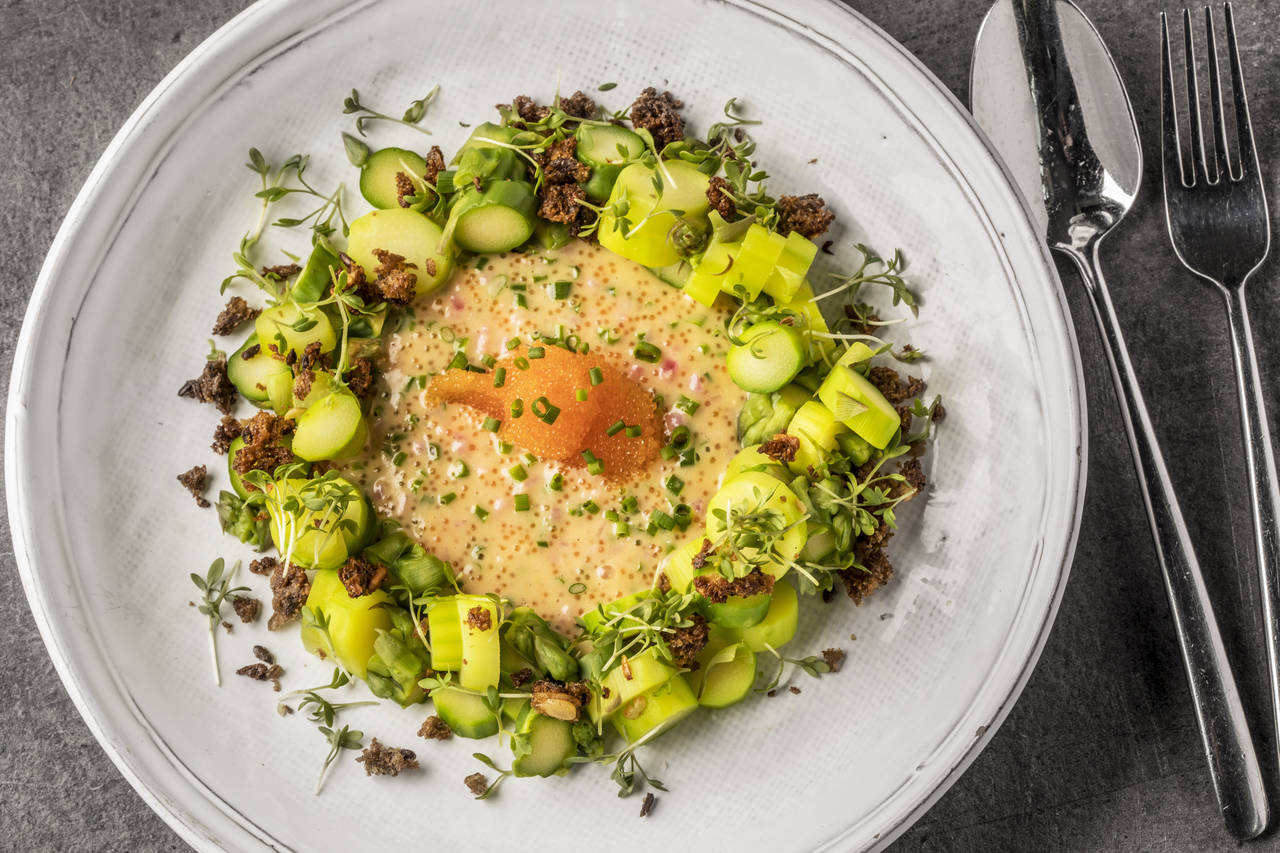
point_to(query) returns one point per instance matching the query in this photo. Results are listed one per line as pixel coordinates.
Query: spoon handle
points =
(1233, 763)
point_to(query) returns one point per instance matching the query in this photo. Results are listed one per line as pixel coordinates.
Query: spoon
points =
(1047, 92)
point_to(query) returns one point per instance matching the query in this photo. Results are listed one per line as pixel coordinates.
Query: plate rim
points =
(201, 834)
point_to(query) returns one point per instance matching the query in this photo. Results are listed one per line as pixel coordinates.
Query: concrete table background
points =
(1101, 752)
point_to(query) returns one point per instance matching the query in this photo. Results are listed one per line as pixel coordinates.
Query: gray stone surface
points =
(1100, 753)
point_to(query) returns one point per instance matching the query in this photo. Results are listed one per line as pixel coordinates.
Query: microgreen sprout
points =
(214, 590)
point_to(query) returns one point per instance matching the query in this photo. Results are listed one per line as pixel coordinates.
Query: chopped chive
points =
(681, 436)
(544, 410)
(674, 484)
(588, 455)
(630, 504)
(577, 588)
(668, 452)
(660, 518)
(687, 406)
(459, 469)
(615, 428)
(513, 343)
(539, 278)
(479, 512)
(518, 473)
(634, 431)
(517, 407)
(560, 289)
(448, 498)
(683, 514)
(651, 528)
(612, 515)
(399, 458)
(596, 376)
(499, 377)
(537, 352)
(521, 502)
(475, 368)
(621, 528)
(521, 301)
(596, 467)
(459, 360)
(491, 425)
(580, 395)
(481, 261)
(556, 482)
(542, 543)
(646, 351)
(505, 447)
(591, 507)
(529, 459)
(521, 362)
(488, 360)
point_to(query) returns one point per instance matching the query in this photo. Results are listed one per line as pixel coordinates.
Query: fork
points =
(1218, 222)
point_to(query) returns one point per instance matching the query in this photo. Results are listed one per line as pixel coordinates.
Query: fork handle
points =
(1233, 763)
(1264, 493)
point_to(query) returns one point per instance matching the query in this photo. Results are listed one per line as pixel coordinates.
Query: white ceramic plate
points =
(105, 538)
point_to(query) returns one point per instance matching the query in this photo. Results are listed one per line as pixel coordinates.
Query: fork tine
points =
(1170, 147)
(1221, 156)
(1193, 102)
(1244, 128)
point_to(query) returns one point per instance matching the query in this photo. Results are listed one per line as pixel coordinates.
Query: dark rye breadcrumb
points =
(560, 164)
(289, 590)
(685, 643)
(557, 699)
(716, 588)
(660, 115)
(434, 728)
(435, 165)
(263, 672)
(719, 200)
(264, 448)
(264, 565)
(380, 760)
(404, 189)
(477, 783)
(561, 202)
(361, 377)
(781, 448)
(528, 109)
(395, 282)
(263, 654)
(834, 659)
(807, 215)
(700, 559)
(646, 807)
(227, 431)
(479, 618)
(361, 577)
(212, 386)
(579, 105)
(246, 607)
(234, 315)
(195, 481)
(280, 272)
(894, 388)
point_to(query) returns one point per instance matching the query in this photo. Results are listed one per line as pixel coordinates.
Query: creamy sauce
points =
(451, 484)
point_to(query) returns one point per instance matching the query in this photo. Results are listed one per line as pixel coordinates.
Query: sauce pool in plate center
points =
(584, 538)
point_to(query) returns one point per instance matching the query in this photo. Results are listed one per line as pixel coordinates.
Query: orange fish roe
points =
(555, 382)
